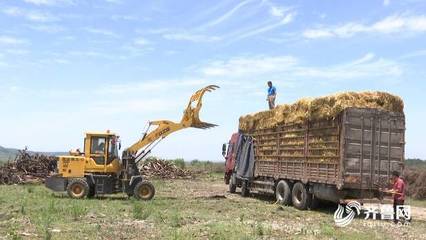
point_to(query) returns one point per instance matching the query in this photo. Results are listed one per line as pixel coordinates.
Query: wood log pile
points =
(158, 168)
(27, 168)
(416, 182)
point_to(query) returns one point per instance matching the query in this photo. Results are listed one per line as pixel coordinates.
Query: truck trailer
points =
(347, 157)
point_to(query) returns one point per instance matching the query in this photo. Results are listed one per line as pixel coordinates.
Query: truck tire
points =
(78, 188)
(283, 193)
(245, 191)
(144, 190)
(300, 196)
(232, 184)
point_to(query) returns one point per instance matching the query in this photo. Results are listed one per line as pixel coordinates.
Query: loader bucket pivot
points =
(191, 115)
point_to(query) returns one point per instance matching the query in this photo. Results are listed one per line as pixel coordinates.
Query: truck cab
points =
(229, 151)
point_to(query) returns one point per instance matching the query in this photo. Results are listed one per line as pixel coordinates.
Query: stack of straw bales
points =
(327, 107)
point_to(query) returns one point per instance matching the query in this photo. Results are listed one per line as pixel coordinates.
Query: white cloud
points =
(391, 24)
(286, 19)
(141, 41)
(8, 40)
(130, 105)
(191, 37)
(246, 67)
(277, 11)
(47, 28)
(16, 51)
(104, 32)
(418, 53)
(90, 53)
(124, 17)
(242, 66)
(30, 15)
(114, 1)
(367, 66)
(366, 58)
(149, 86)
(317, 33)
(228, 14)
(49, 2)
(386, 2)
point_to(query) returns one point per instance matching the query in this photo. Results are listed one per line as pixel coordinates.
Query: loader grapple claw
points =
(191, 115)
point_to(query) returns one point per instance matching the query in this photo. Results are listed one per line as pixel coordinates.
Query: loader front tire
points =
(144, 191)
(78, 188)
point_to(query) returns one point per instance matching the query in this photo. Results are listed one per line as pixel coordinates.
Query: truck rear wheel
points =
(300, 196)
(144, 191)
(233, 184)
(283, 193)
(78, 188)
(245, 191)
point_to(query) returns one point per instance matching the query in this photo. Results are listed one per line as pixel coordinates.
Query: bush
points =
(195, 162)
(179, 162)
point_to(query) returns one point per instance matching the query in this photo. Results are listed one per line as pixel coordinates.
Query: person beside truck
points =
(398, 192)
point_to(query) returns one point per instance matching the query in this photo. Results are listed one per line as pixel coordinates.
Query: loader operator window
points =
(112, 149)
(97, 148)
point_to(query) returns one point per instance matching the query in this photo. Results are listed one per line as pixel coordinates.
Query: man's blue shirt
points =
(272, 91)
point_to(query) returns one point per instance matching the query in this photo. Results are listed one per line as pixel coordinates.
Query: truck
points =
(348, 157)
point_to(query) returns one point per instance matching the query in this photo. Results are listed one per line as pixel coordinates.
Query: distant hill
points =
(7, 153)
(10, 153)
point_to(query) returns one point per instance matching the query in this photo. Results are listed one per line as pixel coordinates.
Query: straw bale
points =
(312, 109)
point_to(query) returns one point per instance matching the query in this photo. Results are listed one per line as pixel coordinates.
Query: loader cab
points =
(101, 152)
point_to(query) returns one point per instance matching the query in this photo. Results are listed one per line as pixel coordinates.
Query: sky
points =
(72, 66)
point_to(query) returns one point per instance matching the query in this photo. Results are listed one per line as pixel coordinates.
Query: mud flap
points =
(56, 183)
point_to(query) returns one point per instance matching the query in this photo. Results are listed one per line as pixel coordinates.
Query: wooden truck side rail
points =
(356, 150)
(305, 152)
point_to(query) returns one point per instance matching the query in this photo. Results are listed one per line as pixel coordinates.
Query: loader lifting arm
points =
(164, 127)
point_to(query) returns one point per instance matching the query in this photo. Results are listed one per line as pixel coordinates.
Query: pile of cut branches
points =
(416, 182)
(27, 168)
(159, 168)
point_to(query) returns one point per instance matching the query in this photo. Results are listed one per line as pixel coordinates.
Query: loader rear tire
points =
(78, 188)
(300, 196)
(283, 193)
(144, 191)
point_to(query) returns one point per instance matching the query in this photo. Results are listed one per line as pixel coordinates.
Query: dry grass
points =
(182, 209)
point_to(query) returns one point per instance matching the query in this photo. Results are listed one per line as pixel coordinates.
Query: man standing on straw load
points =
(272, 93)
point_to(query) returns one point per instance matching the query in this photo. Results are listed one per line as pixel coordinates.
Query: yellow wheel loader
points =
(99, 169)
